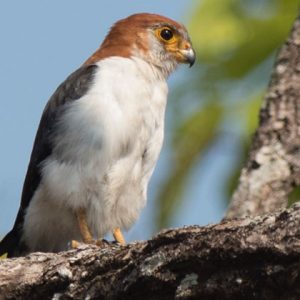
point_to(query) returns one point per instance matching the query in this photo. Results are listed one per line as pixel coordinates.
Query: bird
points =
(99, 139)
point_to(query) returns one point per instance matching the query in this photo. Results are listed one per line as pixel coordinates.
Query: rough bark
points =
(273, 167)
(250, 258)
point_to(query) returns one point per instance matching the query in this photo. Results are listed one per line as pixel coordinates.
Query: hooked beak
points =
(189, 55)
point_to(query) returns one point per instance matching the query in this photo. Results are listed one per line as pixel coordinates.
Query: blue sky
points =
(41, 43)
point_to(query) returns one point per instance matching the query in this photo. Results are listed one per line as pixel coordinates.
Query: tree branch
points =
(256, 258)
(273, 167)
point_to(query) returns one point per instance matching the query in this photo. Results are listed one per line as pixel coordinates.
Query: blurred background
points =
(212, 110)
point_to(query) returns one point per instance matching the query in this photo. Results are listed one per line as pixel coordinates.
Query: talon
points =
(101, 243)
(74, 244)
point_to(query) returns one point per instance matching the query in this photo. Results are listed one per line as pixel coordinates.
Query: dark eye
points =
(166, 34)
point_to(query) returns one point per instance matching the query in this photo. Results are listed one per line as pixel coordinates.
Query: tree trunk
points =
(273, 167)
(248, 258)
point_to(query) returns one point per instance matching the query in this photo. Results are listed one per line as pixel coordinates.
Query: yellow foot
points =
(100, 243)
(75, 244)
(117, 233)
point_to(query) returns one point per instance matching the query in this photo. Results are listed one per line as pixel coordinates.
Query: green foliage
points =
(235, 41)
(189, 142)
(240, 34)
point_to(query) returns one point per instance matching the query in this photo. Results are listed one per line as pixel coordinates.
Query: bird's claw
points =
(102, 243)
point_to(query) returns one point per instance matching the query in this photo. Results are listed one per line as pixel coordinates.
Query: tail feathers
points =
(10, 244)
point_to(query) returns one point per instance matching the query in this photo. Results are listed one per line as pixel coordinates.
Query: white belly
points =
(104, 156)
(113, 200)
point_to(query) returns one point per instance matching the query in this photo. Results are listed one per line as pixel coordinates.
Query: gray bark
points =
(248, 258)
(273, 167)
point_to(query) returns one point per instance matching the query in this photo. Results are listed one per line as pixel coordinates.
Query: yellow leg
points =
(86, 233)
(83, 227)
(119, 236)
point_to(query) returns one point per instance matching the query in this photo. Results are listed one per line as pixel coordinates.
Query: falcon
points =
(99, 139)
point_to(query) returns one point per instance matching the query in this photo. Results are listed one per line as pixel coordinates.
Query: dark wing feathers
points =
(73, 88)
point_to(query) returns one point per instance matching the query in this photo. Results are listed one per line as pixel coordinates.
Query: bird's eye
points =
(166, 34)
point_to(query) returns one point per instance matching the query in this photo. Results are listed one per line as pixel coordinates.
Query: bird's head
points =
(158, 40)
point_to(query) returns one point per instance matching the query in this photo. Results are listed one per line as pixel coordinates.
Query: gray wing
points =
(73, 88)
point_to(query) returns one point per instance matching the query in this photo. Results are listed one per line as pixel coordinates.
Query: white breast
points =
(104, 159)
